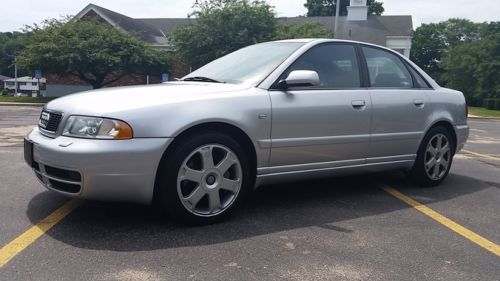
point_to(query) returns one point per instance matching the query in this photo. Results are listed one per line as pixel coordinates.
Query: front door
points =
(322, 126)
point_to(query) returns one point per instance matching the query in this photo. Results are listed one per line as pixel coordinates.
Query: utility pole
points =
(337, 12)
(15, 72)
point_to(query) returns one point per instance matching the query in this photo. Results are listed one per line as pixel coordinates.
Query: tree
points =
(11, 44)
(319, 8)
(473, 66)
(223, 26)
(430, 42)
(304, 30)
(97, 53)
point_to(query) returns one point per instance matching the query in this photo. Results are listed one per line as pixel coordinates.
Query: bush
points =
(493, 104)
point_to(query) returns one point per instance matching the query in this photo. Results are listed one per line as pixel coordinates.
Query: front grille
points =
(66, 187)
(60, 179)
(53, 123)
(63, 174)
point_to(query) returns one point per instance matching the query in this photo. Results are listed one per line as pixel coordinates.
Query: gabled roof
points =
(3, 78)
(148, 33)
(155, 30)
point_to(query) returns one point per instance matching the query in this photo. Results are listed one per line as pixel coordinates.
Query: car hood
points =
(105, 102)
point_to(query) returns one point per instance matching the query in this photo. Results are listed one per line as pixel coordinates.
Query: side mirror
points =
(299, 78)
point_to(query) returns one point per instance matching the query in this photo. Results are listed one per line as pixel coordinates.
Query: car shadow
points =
(271, 209)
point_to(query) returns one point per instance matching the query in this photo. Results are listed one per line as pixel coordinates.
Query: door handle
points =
(419, 103)
(358, 104)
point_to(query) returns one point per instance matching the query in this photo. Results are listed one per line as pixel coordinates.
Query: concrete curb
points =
(484, 118)
(21, 104)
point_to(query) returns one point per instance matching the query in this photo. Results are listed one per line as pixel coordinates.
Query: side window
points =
(336, 65)
(386, 70)
(421, 83)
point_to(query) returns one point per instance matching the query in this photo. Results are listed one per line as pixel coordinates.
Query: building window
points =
(22, 83)
(34, 83)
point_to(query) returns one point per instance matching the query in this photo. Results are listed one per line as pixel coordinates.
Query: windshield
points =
(248, 65)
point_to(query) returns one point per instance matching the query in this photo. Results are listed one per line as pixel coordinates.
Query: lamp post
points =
(337, 12)
(15, 73)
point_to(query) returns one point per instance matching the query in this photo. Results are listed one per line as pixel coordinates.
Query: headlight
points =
(97, 128)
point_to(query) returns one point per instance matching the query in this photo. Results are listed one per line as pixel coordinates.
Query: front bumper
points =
(111, 170)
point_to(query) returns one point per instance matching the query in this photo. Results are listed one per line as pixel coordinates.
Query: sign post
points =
(164, 77)
(38, 76)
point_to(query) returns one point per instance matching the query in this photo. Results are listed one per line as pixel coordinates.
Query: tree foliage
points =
(223, 26)
(319, 8)
(430, 42)
(473, 66)
(95, 52)
(11, 44)
(304, 30)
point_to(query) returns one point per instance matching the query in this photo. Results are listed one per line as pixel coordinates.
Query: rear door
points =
(400, 107)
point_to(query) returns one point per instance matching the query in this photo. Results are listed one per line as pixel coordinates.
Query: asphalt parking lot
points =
(349, 228)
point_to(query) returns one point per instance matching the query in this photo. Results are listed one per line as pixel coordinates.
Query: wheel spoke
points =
(207, 157)
(214, 203)
(230, 185)
(445, 149)
(439, 142)
(226, 163)
(435, 171)
(444, 162)
(431, 163)
(195, 196)
(191, 174)
(431, 150)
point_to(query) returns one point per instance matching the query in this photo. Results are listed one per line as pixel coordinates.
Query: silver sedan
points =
(271, 112)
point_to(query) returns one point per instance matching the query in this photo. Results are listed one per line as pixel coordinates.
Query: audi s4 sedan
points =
(272, 112)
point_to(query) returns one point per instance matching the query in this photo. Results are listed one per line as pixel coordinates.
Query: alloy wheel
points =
(209, 180)
(437, 156)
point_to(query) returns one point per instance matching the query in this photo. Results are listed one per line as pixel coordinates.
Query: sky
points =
(16, 14)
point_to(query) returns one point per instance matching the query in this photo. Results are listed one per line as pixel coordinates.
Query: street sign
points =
(164, 77)
(38, 74)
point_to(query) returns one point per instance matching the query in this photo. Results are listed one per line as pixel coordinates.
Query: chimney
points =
(357, 10)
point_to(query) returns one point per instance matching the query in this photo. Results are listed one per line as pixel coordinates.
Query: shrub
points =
(493, 104)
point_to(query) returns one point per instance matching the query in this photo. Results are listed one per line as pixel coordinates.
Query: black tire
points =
(166, 189)
(418, 173)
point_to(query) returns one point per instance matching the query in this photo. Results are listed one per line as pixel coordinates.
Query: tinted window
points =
(386, 69)
(421, 83)
(336, 65)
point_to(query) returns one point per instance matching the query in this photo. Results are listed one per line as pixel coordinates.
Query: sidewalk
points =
(22, 104)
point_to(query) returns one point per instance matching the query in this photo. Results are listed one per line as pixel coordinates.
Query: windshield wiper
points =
(202, 79)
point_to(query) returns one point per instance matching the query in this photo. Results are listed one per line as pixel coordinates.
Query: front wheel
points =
(204, 178)
(434, 158)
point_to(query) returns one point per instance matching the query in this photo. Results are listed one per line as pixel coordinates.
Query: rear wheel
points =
(204, 178)
(434, 158)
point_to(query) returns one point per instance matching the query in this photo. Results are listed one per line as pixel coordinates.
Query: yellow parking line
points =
(17, 245)
(472, 236)
(486, 156)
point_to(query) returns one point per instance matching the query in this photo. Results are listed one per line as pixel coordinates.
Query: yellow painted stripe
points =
(486, 156)
(17, 245)
(472, 236)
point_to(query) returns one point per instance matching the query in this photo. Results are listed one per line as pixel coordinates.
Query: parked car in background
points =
(272, 112)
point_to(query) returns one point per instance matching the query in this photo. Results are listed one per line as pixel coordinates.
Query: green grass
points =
(26, 99)
(483, 112)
